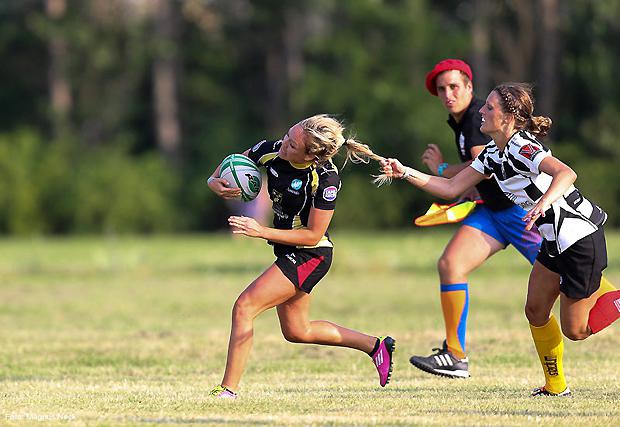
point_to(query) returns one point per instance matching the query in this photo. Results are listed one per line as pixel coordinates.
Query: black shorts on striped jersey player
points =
(442, 363)
(580, 266)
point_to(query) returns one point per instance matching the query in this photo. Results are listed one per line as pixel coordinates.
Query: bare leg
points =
(574, 316)
(466, 251)
(268, 290)
(542, 291)
(296, 327)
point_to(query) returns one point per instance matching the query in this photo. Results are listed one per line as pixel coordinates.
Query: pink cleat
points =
(382, 359)
(221, 392)
(606, 311)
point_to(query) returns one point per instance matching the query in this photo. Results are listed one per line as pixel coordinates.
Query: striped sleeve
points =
(528, 155)
(480, 163)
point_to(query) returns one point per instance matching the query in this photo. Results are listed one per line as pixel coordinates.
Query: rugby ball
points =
(241, 172)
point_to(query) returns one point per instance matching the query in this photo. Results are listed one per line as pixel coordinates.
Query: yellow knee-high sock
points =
(550, 348)
(605, 287)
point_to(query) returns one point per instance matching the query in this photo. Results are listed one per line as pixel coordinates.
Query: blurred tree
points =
(549, 54)
(194, 80)
(481, 44)
(60, 88)
(165, 79)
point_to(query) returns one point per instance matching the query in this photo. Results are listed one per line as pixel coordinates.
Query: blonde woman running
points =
(303, 184)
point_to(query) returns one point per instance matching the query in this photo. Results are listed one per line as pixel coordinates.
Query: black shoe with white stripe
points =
(542, 391)
(442, 363)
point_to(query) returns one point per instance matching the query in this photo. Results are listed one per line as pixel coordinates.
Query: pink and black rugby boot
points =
(382, 358)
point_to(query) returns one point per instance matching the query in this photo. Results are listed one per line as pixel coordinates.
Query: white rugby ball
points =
(241, 172)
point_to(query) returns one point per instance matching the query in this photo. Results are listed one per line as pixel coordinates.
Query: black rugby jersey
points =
(467, 135)
(294, 189)
(516, 169)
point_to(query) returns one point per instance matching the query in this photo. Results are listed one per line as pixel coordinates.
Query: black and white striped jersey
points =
(516, 170)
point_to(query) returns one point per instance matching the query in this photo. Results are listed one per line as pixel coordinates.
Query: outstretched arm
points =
(446, 188)
(563, 178)
(318, 221)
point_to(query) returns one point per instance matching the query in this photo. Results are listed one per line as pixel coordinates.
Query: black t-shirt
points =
(467, 135)
(294, 189)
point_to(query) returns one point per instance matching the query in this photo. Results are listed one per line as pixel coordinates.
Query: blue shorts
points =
(507, 227)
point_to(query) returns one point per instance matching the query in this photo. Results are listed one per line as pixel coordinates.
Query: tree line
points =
(115, 111)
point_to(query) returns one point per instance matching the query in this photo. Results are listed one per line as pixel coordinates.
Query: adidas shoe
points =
(442, 363)
(382, 358)
(222, 392)
(541, 391)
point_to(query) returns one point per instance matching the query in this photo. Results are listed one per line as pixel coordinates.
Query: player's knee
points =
(296, 335)
(243, 308)
(535, 314)
(447, 266)
(575, 333)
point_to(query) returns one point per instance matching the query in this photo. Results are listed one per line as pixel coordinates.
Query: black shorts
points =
(305, 267)
(580, 267)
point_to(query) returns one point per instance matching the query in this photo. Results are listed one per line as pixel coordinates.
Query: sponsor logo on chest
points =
(295, 186)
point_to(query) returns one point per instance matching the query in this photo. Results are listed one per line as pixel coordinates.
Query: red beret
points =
(445, 65)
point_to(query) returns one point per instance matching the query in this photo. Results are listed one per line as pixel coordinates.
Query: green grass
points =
(134, 330)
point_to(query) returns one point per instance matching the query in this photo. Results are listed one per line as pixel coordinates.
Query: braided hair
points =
(517, 99)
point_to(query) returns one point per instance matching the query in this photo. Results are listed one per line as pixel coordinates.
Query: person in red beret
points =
(491, 227)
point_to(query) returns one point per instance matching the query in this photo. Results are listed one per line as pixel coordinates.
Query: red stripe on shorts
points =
(306, 269)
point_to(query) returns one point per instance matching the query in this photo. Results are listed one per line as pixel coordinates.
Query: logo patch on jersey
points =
(273, 172)
(296, 184)
(257, 146)
(276, 196)
(330, 193)
(529, 151)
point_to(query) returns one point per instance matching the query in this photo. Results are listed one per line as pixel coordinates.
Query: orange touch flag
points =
(446, 214)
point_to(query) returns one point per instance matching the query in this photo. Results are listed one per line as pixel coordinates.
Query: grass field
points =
(134, 330)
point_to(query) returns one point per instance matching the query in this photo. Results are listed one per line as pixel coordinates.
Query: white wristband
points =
(406, 174)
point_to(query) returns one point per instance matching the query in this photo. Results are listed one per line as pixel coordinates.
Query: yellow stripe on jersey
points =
(315, 181)
(323, 243)
(301, 165)
(297, 222)
(266, 157)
